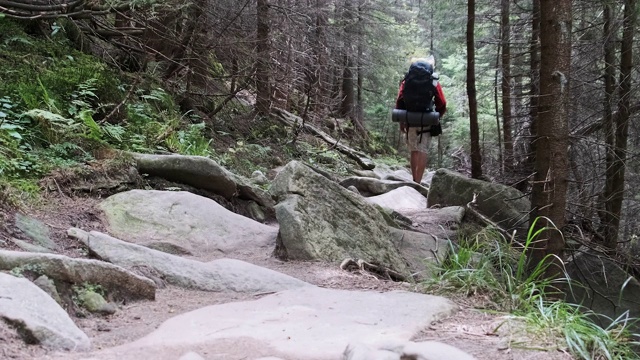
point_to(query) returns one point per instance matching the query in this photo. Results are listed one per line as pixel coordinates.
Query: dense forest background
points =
(541, 94)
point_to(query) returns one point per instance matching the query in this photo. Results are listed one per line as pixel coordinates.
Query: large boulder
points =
(601, 285)
(308, 323)
(372, 187)
(504, 205)
(182, 222)
(38, 317)
(202, 173)
(320, 219)
(116, 280)
(401, 198)
(217, 275)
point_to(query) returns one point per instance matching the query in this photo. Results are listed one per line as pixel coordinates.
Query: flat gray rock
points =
(40, 318)
(30, 247)
(303, 324)
(202, 173)
(35, 230)
(405, 197)
(117, 281)
(427, 350)
(439, 222)
(217, 275)
(192, 224)
(372, 187)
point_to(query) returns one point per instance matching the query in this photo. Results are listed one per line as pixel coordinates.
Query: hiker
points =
(419, 91)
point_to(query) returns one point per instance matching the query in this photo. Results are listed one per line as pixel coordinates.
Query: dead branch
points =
(294, 121)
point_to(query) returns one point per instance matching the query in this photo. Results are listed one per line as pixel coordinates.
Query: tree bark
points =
(476, 155)
(263, 71)
(506, 86)
(616, 161)
(549, 196)
(534, 48)
(609, 131)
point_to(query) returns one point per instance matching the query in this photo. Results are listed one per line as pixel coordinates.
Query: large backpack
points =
(419, 88)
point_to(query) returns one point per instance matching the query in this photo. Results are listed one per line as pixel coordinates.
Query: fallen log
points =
(289, 119)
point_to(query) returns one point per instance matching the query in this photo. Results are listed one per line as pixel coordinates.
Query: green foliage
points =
(190, 141)
(31, 270)
(490, 267)
(51, 100)
(244, 158)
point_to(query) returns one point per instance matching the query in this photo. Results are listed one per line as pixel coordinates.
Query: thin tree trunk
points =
(263, 71)
(529, 162)
(506, 86)
(618, 166)
(549, 196)
(476, 156)
(608, 227)
(497, 105)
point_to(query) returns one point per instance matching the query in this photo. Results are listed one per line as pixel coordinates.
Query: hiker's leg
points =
(415, 155)
(421, 165)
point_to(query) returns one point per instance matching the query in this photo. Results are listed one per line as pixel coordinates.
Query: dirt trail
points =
(469, 330)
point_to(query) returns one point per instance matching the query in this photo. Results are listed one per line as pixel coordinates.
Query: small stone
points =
(256, 212)
(46, 284)
(103, 328)
(433, 350)
(95, 303)
(258, 178)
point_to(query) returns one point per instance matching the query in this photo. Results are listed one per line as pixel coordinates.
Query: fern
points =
(116, 132)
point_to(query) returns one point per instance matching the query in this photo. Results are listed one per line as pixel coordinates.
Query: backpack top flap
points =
(419, 88)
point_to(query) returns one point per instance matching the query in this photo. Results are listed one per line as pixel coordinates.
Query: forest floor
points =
(470, 329)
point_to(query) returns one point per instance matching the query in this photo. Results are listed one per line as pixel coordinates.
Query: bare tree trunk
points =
(549, 196)
(534, 48)
(616, 171)
(609, 131)
(476, 155)
(497, 105)
(348, 96)
(505, 30)
(263, 70)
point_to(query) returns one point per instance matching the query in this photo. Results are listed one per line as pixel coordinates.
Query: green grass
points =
(488, 267)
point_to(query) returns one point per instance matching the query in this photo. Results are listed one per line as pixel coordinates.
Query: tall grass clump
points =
(489, 267)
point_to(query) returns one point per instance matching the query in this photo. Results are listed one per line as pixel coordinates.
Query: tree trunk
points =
(476, 156)
(608, 228)
(616, 170)
(534, 48)
(549, 196)
(348, 96)
(506, 86)
(263, 71)
(497, 106)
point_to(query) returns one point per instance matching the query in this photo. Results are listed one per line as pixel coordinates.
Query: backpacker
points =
(419, 88)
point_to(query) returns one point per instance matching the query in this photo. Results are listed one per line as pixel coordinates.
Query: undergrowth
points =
(489, 267)
(60, 108)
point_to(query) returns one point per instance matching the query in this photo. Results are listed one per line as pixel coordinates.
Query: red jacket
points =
(439, 100)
